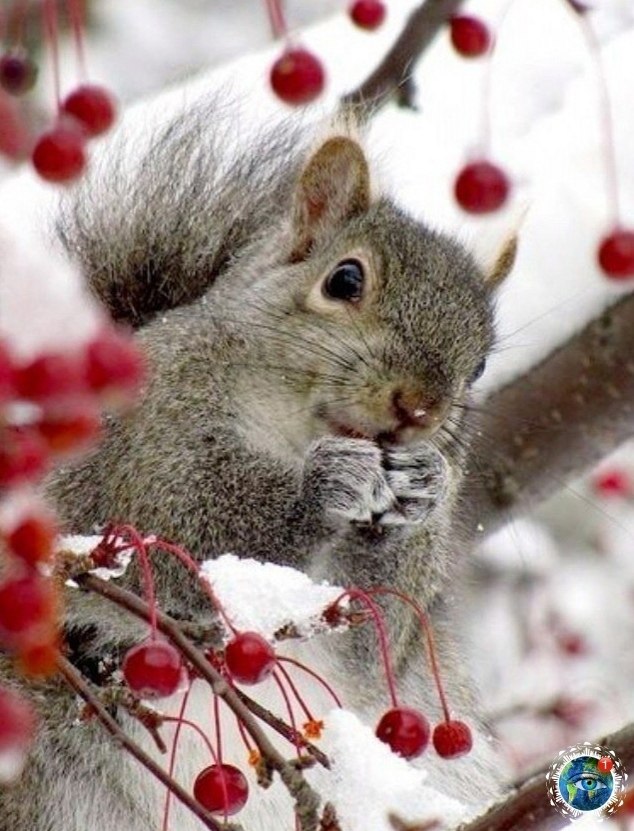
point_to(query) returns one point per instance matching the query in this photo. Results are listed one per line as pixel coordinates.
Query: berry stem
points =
(296, 692)
(188, 723)
(607, 120)
(431, 645)
(51, 29)
(486, 130)
(314, 674)
(172, 761)
(17, 17)
(77, 23)
(245, 737)
(188, 561)
(291, 715)
(277, 18)
(139, 545)
(218, 727)
(379, 625)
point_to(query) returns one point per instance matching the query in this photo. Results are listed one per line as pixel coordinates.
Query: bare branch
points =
(527, 807)
(395, 70)
(553, 422)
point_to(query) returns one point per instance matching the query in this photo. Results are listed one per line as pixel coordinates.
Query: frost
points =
(368, 781)
(264, 597)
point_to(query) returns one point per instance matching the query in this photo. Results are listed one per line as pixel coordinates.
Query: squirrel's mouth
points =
(381, 437)
(338, 428)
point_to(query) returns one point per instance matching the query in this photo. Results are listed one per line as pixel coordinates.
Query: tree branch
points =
(394, 71)
(306, 800)
(527, 807)
(78, 683)
(553, 422)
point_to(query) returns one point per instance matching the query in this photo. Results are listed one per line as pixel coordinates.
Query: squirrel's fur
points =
(270, 426)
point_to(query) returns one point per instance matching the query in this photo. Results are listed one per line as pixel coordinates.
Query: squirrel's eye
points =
(345, 282)
(478, 371)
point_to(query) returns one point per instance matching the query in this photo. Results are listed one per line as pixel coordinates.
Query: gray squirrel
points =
(312, 349)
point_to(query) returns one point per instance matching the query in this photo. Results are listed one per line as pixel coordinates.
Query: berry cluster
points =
(154, 669)
(59, 153)
(482, 186)
(49, 405)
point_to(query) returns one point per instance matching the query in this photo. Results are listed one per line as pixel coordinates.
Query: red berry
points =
(406, 731)
(64, 432)
(115, 363)
(17, 722)
(297, 76)
(39, 659)
(26, 608)
(59, 154)
(572, 644)
(368, 14)
(616, 255)
(50, 377)
(452, 739)
(469, 36)
(153, 669)
(221, 789)
(481, 187)
(93, 106)
(613, 483)
(6, 374)
(249, 658)
(18, 73)
(23, 455)
(32, 541)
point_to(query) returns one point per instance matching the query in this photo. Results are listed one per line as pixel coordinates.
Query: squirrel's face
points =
(380, 325)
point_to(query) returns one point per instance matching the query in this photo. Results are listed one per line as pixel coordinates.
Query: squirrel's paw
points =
(347, 478)
(418, 477)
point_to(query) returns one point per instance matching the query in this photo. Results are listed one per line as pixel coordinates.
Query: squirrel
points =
(312, 349)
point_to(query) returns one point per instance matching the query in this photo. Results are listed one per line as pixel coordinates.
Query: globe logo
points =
(586, 779)
(583, 785)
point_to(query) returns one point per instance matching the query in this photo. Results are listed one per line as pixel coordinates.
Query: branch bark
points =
(527, 807)
(394, 71)
(553, 422)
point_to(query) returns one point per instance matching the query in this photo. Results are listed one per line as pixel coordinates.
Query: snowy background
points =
(550, 613)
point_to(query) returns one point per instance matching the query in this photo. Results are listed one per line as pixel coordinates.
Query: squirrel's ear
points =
(333, 187)
(502, 264)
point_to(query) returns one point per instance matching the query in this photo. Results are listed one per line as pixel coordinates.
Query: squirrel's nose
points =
(413, 408)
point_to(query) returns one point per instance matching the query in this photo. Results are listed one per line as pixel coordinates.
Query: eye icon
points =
(583, 785)
(587, 783)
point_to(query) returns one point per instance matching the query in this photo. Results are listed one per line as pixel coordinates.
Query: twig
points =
(77, 682)
(282, 728)
(553, 422)
(394, 71)
(527, 807)
(306, 799)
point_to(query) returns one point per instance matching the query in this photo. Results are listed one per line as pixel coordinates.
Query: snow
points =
(368, 782)
(81, 546)
(264, 597)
